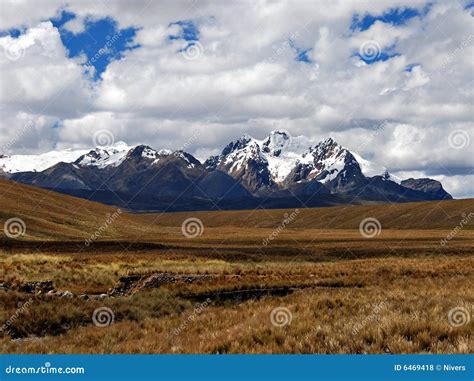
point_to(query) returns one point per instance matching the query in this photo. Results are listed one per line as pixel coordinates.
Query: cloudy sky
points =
(392, 81)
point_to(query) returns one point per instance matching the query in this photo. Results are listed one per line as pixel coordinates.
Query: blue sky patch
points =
(301, 54)
(383, 56)
(101, 41)
(394, 16)
(188, 31)
(410, 67)
(371, 53)
(14, 32)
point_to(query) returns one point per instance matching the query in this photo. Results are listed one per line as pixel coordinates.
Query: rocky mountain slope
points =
(281, 164)
(279, 168)
(140, 170)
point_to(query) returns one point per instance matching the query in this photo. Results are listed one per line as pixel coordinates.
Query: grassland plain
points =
(318, 285)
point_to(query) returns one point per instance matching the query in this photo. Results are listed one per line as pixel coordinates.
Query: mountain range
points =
(278, 171)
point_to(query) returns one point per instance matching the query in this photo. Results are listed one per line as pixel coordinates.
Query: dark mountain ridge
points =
(276, 172)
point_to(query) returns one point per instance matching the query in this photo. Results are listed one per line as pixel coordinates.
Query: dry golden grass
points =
(413, 215)
(52, 216)
(345, 293)
(415, 294)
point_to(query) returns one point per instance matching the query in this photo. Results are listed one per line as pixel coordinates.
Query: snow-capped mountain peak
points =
(326, 160)
(244, 150)
(289, 158)
(104, 156)
(279, 166)
(191, 161)
(276, 142)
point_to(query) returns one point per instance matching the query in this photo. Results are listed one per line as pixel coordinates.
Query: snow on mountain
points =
(191, 160)
(370, 169)
(279, 166)
(325, 160)
(38, 163)
(281, 153)
(245, 149)
(272, 159)
(102, 157)
(278, 152)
